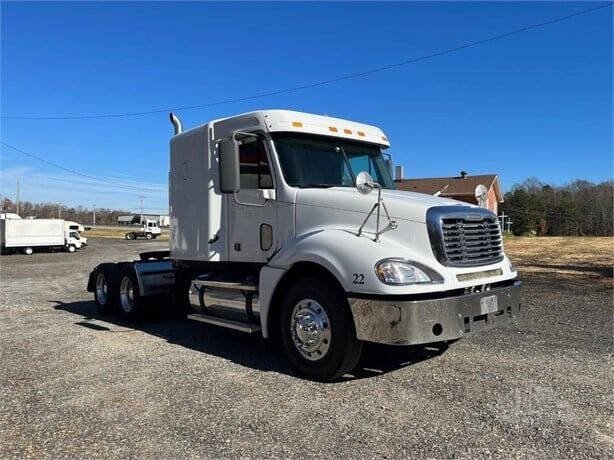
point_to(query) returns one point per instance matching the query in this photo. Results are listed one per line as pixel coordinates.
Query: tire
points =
(105, 288)
(71, 248)
(129, 299)
(129, 236)
(149, 236)
(315, 302)
(28, 251)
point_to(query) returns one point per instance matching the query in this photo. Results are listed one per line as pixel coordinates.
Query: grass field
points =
(117, 233)
(583, 259)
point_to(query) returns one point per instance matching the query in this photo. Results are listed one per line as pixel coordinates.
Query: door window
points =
(255, 169)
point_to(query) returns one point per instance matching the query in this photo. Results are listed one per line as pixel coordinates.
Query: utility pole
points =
(60, 210)
(17, 199)
(94, 223)
(503, 216)
(141, 198)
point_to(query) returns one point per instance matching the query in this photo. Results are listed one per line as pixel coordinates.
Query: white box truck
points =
(26, 235)
(287, 224)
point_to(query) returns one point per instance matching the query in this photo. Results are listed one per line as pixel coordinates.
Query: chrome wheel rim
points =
(310, 329)
(101, 289)
(126, 294)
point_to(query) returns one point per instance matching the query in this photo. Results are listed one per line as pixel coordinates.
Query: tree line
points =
(576, 209)
(580, 208)
(50, 210)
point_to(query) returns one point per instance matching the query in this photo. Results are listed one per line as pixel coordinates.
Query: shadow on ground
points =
(602, 270)
(246, 350)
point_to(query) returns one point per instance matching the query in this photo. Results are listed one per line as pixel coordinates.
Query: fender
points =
(349, 258)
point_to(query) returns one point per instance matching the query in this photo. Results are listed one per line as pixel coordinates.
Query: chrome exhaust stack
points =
(176, 123)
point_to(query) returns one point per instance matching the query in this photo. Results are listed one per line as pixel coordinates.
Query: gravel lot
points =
(73, 383)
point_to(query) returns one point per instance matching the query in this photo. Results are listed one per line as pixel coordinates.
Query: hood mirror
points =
(364, 183)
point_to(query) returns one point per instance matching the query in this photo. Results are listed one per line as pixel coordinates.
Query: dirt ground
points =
(74, 383)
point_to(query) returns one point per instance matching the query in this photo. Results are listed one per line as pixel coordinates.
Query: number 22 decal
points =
(359, 278)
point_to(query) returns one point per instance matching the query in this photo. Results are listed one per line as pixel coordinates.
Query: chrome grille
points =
(463, 236)
(469, 242)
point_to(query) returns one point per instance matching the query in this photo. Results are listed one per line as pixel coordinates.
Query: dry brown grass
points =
(116, 233)
(575, 258)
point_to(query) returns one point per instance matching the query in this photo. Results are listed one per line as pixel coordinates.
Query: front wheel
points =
(149, 236)
(70, 248)
(317, 330)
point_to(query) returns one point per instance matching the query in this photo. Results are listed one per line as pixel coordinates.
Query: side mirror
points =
(364, 183)
(228, 153)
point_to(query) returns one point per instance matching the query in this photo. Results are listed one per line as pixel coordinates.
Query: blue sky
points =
(534, 104)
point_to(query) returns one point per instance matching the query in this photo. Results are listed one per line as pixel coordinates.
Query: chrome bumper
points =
(410, 322)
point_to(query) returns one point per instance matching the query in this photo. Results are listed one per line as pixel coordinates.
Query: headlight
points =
(400, 271)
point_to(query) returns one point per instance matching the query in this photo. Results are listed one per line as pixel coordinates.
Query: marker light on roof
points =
(297, 124)
(347, 131)
(332, 129)
(360, 133)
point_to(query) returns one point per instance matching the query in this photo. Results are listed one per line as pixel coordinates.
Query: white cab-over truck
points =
(148, 230)
(287, 224)
(26, 235)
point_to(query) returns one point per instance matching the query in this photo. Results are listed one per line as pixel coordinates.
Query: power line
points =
(72, 171)
(319, 83)
(37, 179)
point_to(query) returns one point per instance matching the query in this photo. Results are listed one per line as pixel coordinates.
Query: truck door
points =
(252, 219)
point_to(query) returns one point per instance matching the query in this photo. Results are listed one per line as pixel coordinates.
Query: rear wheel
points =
(318, 331)
(129, 236)
(105, 287)
(28, 251)
(130, 300)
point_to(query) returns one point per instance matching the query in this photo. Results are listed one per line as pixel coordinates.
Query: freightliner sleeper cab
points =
(288, 224)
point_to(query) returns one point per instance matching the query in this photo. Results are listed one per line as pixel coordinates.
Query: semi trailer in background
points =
(288, 225)
(28, 235)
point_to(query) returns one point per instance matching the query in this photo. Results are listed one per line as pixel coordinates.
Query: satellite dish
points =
(481, 195)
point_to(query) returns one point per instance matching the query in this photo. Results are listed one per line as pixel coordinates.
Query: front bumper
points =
(411, 322)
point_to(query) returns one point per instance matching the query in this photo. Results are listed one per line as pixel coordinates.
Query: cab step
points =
(250, 328)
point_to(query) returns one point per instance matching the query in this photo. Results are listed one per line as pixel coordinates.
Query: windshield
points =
(317, 161)
(75, 235)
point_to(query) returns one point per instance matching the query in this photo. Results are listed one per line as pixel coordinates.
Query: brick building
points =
(460, 188)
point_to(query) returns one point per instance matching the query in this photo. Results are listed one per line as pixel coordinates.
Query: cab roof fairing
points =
(300, 122)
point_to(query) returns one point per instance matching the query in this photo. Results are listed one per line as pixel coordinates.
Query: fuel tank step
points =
(225, 285)
(224, 322)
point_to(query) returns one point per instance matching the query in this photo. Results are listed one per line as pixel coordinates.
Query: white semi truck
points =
(287, 224)
(26, 235)
(148, 230)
